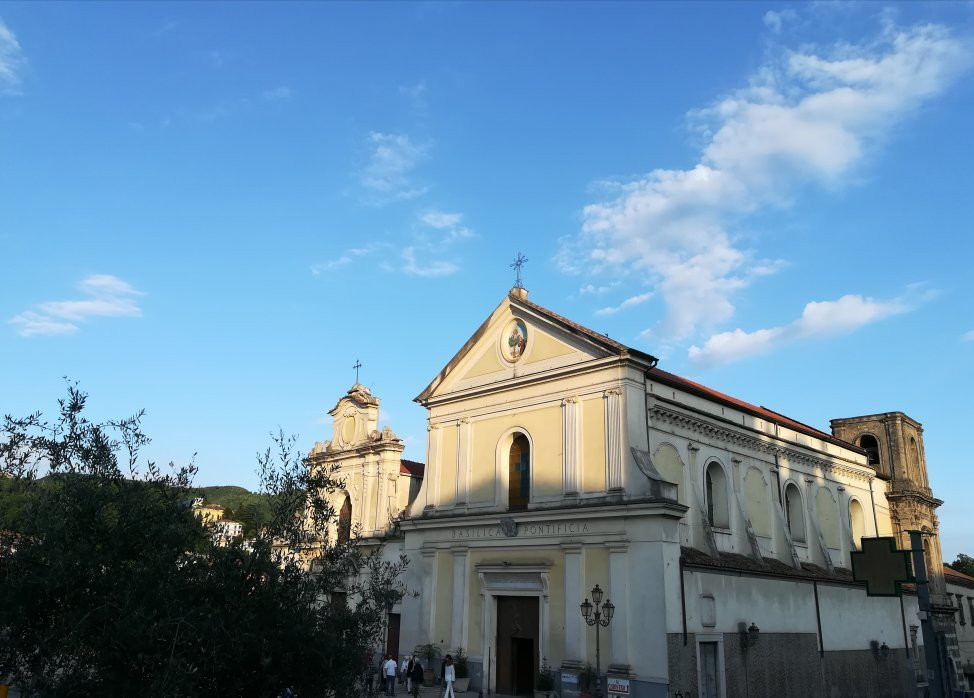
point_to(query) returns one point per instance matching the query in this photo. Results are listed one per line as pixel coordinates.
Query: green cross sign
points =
(882, 567)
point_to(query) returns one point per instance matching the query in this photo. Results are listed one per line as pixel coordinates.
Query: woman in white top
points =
(449, 676)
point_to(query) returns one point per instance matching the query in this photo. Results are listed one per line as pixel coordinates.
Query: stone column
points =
(433, 467)
(569, 430)
(574, 654)
(619, 595)
(459, 608)
(613, 438)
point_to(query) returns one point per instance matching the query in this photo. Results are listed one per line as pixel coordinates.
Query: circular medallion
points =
(514, 340)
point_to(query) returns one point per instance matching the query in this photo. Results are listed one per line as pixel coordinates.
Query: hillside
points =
(249, 508)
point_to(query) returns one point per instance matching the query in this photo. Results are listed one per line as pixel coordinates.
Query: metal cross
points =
(357, 366)
(516, 266)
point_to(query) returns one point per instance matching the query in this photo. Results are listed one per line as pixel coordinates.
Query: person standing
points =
(390, 668)
(407, 673)
(403, 675)
(449, 676)
(416, 676)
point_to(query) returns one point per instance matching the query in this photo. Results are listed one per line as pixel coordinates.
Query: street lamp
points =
(600, 617)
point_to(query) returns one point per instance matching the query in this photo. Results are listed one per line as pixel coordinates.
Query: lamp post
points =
(600, 617)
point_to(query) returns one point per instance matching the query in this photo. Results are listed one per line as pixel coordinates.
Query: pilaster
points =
(459, 607)
(574, 650)
(569, 418)
(613, 438)
(619, 595)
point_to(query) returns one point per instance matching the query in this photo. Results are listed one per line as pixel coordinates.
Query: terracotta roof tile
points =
(603, 339)
(411, 467)
(763, 412)
(960, 577)
(769, 566)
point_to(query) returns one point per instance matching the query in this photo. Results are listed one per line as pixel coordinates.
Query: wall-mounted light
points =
(749, 635)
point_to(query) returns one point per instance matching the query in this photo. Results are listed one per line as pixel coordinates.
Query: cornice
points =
(913, 496)
(533, 378)
(753, 443)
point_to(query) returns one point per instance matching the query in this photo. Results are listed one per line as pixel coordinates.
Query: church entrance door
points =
(517, 644)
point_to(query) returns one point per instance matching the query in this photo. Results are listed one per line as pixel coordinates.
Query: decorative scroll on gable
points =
(356, 418)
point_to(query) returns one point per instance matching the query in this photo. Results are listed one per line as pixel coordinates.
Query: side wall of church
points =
(756, 468)
(791, 656)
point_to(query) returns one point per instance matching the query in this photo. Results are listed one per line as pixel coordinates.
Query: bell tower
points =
(368, 461)
(894, 446)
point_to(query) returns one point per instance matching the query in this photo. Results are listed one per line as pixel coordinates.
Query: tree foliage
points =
(109, 585)
(964, 564)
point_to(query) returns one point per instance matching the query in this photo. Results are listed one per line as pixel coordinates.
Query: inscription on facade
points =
(561, 528)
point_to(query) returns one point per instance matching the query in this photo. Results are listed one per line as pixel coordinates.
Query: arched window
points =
(345, 521)
(857, 522)
(869, 443)
(794, 513)
(519, 473)
(716, 484)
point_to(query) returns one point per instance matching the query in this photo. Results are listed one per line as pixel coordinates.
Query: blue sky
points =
(212, 210)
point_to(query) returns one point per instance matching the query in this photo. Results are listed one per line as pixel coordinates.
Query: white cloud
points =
(818, 319)
(592, 289)
(449, 223)
(11, 61)
(440, 220)
(846, 314)
(737, 344)
(108, 296)
(320, 267)
(347, 257)
(628, 303)
(277, 94)
(775, 20)
(426, 269)
(388, 176)
(967, 336)
(30, 324)
(808, 115)
(416, 94)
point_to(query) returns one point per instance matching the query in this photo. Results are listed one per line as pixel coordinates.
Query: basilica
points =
(709, 538)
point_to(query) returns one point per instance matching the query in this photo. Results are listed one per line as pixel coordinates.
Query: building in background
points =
(559, 459)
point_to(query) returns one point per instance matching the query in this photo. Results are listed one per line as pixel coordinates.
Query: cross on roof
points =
(357, 366)
(516, 266)
(881, 566)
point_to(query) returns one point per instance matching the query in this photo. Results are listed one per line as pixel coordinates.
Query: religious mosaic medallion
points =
(514, 340)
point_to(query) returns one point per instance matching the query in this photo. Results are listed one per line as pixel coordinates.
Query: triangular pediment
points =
(520, 339)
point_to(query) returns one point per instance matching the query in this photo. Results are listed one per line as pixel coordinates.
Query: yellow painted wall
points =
(596, 566)
(483, 441)
(828, 517)
(593, 445)
(756, 497)
(447, 466)
(669, 464)
(488, 363)
(543, 425)
(546, 347)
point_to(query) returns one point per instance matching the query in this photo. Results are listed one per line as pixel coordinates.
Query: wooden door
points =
(517, 644)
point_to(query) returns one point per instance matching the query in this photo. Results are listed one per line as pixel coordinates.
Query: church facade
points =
(720, 531)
